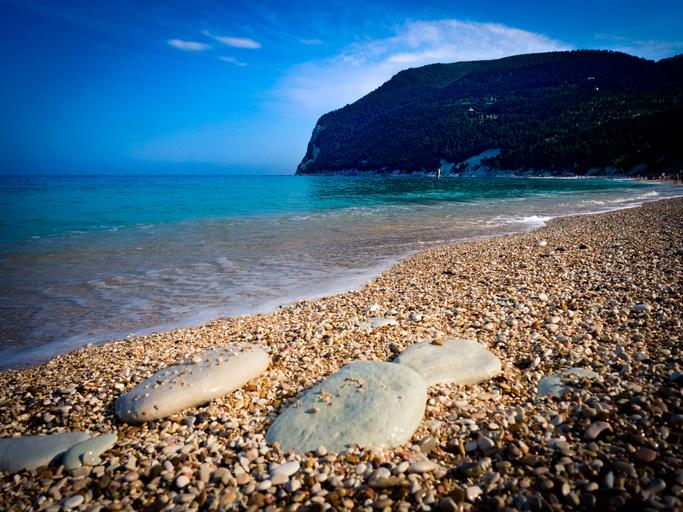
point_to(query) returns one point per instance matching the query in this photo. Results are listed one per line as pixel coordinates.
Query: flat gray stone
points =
(453, 362)
(30, 452)
(554, 385)
(190, 383)
(367, 403)
(88, 452)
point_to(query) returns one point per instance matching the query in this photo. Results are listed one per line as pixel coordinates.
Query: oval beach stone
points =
(30, 452)
(204, 377)
(88, 451)
(451, 362)
(367, 403)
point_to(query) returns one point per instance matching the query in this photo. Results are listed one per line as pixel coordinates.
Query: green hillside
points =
(561, 112)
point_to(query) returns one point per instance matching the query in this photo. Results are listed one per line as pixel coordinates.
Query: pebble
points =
(242, 478)
(403, 467)
(205, 473)
(642, 308)
(293, 485)
(645, 455)
(279, 479)
(374, 308)
(448, 505)
(485, 443)
(74, 501)
(655, 486)
(473, 492)
(286, 469)
(222, 475)
(380, 473)
(131, 476)
(595, 429)
(428, 444)
(563, 446)
(424, 466)
(182, 481)
(264, 485)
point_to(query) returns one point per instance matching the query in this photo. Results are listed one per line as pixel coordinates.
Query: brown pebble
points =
(645, 455)
(594, 431)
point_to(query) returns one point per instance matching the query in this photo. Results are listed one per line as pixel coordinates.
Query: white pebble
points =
(380, 473)
(424, 466)
(287, 469)
(73, 502)
(402, 467)
(279, 479)
(473, 492)
(293, 485)
(264, 486)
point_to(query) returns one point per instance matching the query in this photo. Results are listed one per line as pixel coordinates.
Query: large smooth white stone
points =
(366, 403)
(30, 452)
(454, 362)
(204, 377)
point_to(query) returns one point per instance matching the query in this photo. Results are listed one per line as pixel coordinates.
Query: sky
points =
(124, 87)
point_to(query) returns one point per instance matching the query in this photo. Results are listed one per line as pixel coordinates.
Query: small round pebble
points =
(74, 501)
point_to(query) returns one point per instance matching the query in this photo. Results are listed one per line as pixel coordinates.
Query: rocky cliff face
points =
(560, 113)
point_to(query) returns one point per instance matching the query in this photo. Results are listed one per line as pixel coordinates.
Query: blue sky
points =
(150, 87)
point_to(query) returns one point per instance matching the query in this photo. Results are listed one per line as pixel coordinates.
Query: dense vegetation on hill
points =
(562, 112)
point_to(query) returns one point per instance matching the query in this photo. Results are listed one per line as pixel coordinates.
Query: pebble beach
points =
(601, 293)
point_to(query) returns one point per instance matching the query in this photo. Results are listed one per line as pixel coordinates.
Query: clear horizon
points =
(213, 88)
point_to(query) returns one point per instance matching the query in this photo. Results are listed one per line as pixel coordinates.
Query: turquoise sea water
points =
(86, 259)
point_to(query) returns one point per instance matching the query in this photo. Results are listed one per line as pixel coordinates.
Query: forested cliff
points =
(579, 112)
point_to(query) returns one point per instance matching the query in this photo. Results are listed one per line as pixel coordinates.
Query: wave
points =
(530, 220)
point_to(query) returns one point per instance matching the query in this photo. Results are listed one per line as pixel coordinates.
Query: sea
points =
(87, 259)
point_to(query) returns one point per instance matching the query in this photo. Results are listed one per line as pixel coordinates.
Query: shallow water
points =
(87, 259)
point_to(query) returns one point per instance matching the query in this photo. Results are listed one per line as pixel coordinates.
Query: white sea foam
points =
(530, 220)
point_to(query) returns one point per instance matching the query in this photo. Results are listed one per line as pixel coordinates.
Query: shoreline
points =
(539, 307)
(43, 353)
(198, 320)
